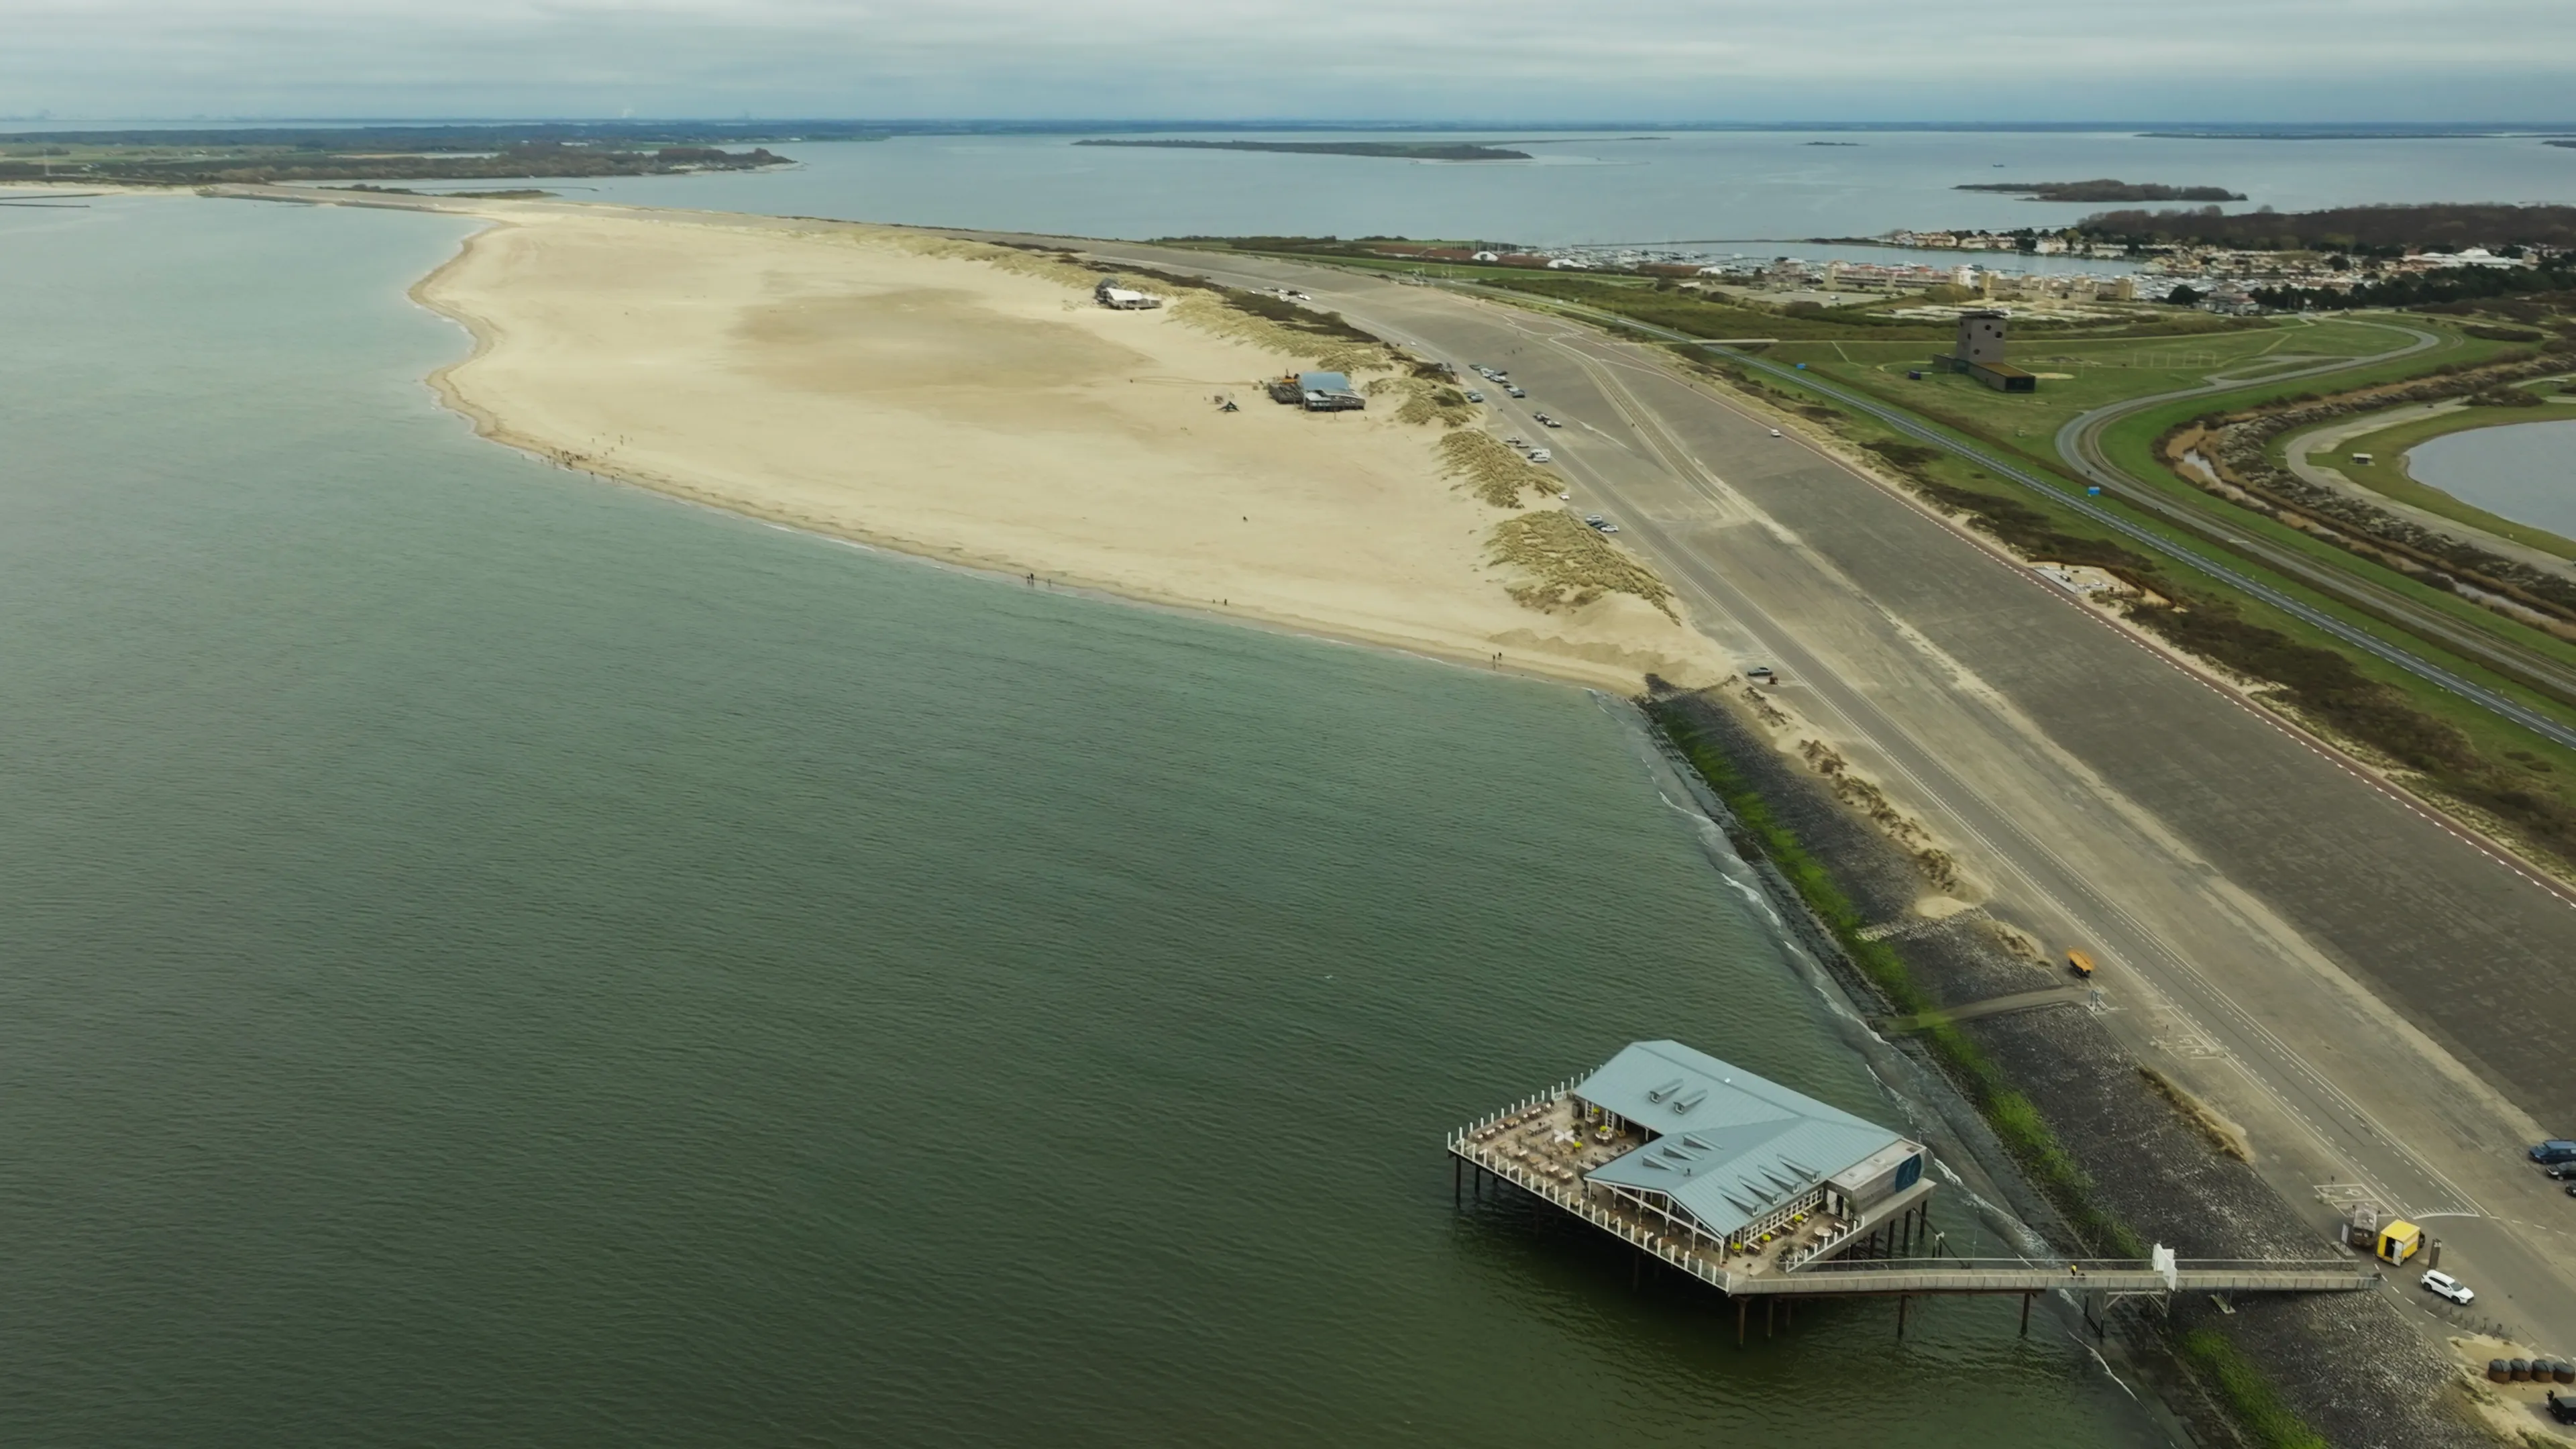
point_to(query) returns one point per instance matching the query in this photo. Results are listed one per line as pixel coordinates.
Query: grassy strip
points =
(2016, 1121)
(2463, 753)
(2247, 1394)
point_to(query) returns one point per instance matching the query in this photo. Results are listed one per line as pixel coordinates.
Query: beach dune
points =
(971, 404)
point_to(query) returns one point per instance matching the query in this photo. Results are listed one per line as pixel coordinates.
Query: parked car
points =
(2563, 1410)
(1775, 432)
(1761, 674)
(2554, 1151)
(2560, 1172)
(1514, 390)
(2443, 1285)
(1474, 396)
(1541, 455)
(1545, 421)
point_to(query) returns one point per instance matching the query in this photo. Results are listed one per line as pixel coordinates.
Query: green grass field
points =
(2078, 374)
(2025, 426)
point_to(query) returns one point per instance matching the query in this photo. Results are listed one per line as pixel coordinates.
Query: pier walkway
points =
(1819, 1261)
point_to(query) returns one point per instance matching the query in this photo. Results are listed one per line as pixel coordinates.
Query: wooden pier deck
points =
(1536, 1145)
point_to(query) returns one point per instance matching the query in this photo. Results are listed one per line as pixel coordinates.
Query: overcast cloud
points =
(1673, 60)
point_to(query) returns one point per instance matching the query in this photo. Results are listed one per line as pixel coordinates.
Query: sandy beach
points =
(972, 404)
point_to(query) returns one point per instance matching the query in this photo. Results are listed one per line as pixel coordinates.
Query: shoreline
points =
(2119, 1157)
(1601, 645)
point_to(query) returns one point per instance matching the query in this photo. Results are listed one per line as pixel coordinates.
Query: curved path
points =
(2523, 665)
(2468, 641)
(2301, 450)
(2080, 444)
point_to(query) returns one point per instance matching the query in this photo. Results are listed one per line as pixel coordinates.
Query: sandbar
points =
(963, 402)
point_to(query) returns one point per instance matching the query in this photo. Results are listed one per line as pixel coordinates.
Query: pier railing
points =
(2118, 1276)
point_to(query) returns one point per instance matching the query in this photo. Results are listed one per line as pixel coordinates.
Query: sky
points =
(1436, 60)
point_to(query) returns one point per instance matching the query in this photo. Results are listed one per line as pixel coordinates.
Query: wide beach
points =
(972, 404)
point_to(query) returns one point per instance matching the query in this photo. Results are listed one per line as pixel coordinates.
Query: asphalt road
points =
(2079, 443)
(2530, 667)
(2366, 990)
(2536, 720)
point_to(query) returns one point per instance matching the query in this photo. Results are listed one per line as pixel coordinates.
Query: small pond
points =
(2522, 471)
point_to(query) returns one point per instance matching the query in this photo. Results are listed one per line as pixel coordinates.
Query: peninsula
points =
(366, 153)
(2104, 189)
(1385, 150)
(974, 403)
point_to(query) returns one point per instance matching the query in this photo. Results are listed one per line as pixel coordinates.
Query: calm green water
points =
(496, 958)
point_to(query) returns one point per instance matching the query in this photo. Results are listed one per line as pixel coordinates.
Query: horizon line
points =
(1313, 122)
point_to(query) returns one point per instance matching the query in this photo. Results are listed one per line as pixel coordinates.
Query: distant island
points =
(1829, 143)
(2321, 135)
(2102, 189)
(1389, 150)
(366, 153)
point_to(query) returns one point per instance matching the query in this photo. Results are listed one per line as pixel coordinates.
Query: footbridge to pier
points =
(1810, 1239)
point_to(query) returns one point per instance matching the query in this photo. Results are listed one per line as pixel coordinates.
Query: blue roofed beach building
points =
(1762, 1191)
(1733, 1176)
(1318, 392)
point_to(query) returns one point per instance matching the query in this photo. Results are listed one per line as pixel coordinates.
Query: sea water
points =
(497, 957)
(1755, 188)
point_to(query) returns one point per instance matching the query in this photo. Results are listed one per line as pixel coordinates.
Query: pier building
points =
(1761, 1191)
(1726, 1163)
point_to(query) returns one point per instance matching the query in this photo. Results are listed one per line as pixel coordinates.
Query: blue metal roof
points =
(1729, 1146)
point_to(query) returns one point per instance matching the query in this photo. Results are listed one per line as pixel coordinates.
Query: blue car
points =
(2553, 1152)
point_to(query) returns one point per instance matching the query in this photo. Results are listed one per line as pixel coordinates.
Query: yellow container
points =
(2399, 1241)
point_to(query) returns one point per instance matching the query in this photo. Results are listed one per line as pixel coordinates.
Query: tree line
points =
(2369, 231)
